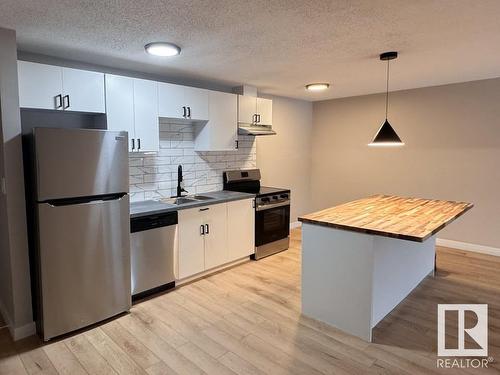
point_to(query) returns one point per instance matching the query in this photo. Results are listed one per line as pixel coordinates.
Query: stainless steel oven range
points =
(272, 211)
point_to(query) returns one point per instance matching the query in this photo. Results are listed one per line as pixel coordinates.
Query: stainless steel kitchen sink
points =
(201, 197)
(184, 200)
(180, 200)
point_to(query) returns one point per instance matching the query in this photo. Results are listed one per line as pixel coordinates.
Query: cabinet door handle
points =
(202, 230)
(189, 112)
(133, 144)
(65, 98)
(184, 112)
(204, 209)
(258, 118)
(138, 143)
(254, 118)
(207, 230)
(237, 144)
(58, 99)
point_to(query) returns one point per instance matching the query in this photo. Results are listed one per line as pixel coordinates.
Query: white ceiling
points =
(278, 46)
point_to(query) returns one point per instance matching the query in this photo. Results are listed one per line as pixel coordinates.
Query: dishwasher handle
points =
(139, 224)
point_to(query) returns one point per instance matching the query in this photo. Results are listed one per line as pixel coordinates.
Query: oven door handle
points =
(274, 205)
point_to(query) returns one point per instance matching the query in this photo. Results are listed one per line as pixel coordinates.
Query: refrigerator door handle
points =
(84, 201)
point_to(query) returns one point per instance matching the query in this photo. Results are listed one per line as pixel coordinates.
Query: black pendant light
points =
(386, 135)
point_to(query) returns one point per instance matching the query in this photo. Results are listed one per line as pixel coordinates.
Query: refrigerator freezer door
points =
(80, 162)
(84, 263)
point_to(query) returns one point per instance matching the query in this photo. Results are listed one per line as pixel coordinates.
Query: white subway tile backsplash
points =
(155, 176)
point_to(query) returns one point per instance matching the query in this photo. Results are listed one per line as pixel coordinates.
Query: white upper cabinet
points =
(83, 91)
(120, 105)
(52, 87)
(146, 123)
(221, 131)
(182, 102)
(264, 111)
(40, 86)
(253, 110)
(197, 103)
(247, 108)
(171, 101)
(131, 105)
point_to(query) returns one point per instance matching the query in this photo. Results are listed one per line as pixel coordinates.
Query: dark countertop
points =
(152, 207)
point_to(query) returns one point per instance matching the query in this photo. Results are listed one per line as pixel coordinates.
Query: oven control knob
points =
(275, 197)
(284, 196)
(265, 199)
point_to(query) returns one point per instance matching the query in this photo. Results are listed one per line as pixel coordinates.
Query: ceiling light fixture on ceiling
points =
(317, 86)
(386, 135)
(163, 49)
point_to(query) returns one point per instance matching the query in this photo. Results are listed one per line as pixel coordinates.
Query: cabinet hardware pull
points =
(138, 143)
(237, 144)
(207, 231)
(189, 112)
(258, 118)
(202, 230)
(204, 209)
(254, 118)
(58, 100)
(64, 99)
(133, 144)
(184, 112)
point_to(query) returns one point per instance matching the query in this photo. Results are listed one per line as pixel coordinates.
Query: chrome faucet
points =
(180, 182)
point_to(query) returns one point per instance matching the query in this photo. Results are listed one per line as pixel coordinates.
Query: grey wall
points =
(285, 158)
(452, 152)
(15, 294)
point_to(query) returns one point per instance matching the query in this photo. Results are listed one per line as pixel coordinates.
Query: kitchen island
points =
(360, 259)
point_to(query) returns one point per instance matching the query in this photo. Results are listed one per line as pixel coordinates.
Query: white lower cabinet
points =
(240, 229)
(211, 236)
(215, 235)
(191, 259)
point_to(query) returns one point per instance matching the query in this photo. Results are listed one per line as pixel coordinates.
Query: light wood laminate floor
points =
(247, 320)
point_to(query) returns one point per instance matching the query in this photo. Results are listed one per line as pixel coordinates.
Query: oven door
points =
(271, 224)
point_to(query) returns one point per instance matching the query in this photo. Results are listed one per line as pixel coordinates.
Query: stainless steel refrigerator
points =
(83, 227)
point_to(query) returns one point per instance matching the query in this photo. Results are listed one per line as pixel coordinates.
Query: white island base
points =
(352, 280)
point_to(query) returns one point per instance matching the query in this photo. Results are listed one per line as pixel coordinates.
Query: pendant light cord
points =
(387, 92)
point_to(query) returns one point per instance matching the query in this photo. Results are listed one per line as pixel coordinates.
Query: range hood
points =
(254, 113)
(254, 129)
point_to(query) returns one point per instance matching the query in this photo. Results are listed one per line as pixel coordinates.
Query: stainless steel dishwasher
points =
(153, 241)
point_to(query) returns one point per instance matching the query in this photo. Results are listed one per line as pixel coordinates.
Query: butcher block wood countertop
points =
(412, 219)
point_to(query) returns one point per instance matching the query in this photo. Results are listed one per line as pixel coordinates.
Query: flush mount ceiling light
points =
(317, 86)
(386, 135)
(163, 49)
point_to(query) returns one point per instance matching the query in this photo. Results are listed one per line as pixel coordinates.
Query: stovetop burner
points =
(248, 181)
(266, 190)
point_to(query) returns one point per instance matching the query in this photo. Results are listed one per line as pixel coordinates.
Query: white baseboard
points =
(468, 247)
(5, 316)
(200, 275)
(19, 332)
(23, 331)
(295, 224)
